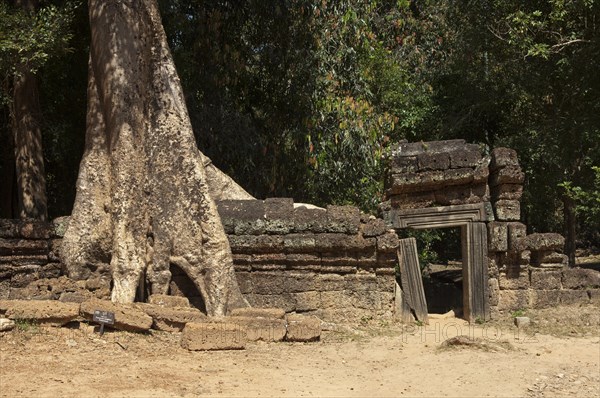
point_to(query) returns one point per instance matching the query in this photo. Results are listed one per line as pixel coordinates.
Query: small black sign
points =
(104, 317)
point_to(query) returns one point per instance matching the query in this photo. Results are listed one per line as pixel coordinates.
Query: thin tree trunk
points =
(570, 221)
(142, 179)
(27, 135)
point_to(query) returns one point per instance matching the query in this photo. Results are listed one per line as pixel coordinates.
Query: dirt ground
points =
(558, 356)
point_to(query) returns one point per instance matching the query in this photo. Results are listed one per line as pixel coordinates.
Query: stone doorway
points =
(471, 221)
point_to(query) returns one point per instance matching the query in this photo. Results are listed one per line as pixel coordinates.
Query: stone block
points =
(549, 257)
(414, 200)
(511, 300)
(373, 227)
(300, 243)
(303, 328)
(332, 282)
(343, 219)
(503, 157)
(309, 219)
(545, 298)
(573, 297)
(459, 194)
(507, 192)
(127, 316)
(415, 148)
(404, 164)
(23, 247)
(545, 279)
(493, 291)
(541, 242)
(516, 231)
(301, 282)
(522, 321)
(165, 300)
(514, 282)
(250, 312)
(497, 236)
(260, 329)
(285, 301)
(307, 301)
(279, 215)
(213, 336)
(248, 244)
(433, 161)
(171, 319)
(507, 210)
(388, 242)
(47, 312)
(594, 295)
(415, 182)
(6, 324)
(463, 176)
(76, 297)
(580, 278)
(268, 282)
(506, 175)
(469, 156)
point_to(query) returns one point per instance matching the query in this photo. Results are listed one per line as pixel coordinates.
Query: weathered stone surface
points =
(127, 316)
(497, 237)
(507, 175)
(469, 156)
(541, 242)
(373, 227)
(303, 328)
(307, 301)
(213, 336)
(48, 312)
(512, 300)
(570, 297)
(414, 200)
(580, 278)
(507, 191)
(545, 298)
(343, 219)
(516, 231)
(285, 301)
(522, 321)
(433, 161)
(168, 301)
(171, 319)
(6, 324)
(249, 312)
(309, 220)
(594, 295)
(545, 280)
(493, 291)
(25, 229)
(503, 157)
(404, 164)
(260, 329)
(279, 215)
(549, 257)
(388, 242)
(514, 282)
(414, 182)
(76, 297)
(507, 210)
(23, 247)
(257, 244)
(415, 148)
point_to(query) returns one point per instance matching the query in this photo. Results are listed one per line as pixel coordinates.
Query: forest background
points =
(304, 98)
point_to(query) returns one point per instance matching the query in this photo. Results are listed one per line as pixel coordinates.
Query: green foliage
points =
(587, 204)
(30, 39)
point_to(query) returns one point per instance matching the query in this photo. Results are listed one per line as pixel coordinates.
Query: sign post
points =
(104, 318)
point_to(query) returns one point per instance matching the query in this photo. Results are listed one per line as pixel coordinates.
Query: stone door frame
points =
(472, 220)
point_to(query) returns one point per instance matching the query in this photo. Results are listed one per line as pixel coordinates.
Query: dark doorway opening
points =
(181, 285)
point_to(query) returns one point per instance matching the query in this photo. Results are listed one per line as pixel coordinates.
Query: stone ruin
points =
(339, 264)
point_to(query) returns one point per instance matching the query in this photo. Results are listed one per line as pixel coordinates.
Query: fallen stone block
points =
(6, 324)
(541, 242)
(522, 321)
(260, 329)
(46, 312)
(165, 300)
(127, 316)
(213, 336)
(171, 319)
(249, 312)
(303, 328)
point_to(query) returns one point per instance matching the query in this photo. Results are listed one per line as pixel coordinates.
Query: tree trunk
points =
(27, 136)
(570, 220)
(143, 198)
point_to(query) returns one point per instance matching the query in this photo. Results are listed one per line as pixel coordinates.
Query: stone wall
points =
(451, 177)
(335, 263)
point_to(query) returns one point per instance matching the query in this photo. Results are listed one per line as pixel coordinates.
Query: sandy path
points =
(393, 363)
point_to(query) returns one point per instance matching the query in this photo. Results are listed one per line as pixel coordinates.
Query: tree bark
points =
(143, 197)
(27, 136)
(570, 221)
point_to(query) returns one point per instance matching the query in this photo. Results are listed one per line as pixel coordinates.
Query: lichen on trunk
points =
(143, 197)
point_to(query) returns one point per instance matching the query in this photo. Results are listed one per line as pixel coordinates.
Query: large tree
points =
(145, 194)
